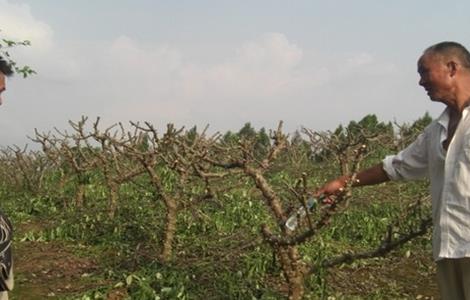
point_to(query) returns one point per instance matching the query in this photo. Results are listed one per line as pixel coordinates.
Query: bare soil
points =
(413, 278)
(49, 269)
(54, 270)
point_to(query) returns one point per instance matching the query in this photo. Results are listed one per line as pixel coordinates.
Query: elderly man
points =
(6, 270)
(441, 153)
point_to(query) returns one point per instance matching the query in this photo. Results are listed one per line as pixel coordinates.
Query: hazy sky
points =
(309, 63)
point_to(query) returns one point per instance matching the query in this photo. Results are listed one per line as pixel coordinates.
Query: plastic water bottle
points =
(294, 218)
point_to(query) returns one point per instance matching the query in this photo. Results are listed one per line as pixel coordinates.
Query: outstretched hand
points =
(331, 189)
(373, 175)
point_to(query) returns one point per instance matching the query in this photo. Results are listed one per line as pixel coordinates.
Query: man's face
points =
(435, 77)
(2, 85)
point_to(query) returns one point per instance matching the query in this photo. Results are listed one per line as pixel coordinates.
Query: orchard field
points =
(129, 212)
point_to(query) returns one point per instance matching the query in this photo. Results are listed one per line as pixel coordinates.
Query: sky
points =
(309, 63)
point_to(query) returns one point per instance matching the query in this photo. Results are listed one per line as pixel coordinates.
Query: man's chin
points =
(433, 97)
(440, 100)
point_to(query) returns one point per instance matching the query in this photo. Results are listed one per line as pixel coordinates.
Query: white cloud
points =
(359, 60)
(44, 55)
(262, 81)
(17, 22)
(259, 69)
(272, 51)
(365, 64)
(136, 80)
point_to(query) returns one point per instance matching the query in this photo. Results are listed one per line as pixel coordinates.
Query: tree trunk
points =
(79, 196)
(293, 271)
(170, 228)
(113, 199)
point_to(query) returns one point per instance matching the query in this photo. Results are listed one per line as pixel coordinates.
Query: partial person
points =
(442, 154)
(6, 229)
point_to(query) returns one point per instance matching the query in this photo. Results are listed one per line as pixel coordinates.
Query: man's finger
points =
(328, 200)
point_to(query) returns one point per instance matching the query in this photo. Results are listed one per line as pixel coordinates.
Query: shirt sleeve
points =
(410, 163)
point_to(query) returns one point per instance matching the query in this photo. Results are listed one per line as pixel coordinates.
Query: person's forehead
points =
(422, 62)
(428, 59)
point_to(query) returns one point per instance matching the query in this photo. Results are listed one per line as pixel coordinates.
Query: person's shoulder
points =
(438, 123)
(433, 125)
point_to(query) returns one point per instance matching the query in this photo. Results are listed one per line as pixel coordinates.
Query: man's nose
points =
(421, 81)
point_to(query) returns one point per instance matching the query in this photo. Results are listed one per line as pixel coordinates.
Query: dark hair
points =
(451, 49)
(5, 67)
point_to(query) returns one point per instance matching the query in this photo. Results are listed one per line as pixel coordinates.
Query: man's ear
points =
(452, 66)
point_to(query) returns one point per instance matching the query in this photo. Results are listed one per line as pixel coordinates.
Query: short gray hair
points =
(451, 49)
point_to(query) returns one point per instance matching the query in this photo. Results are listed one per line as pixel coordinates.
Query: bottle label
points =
(297, 215)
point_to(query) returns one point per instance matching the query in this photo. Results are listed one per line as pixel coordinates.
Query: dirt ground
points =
(53, 270)
(412, 278)
(49, 270)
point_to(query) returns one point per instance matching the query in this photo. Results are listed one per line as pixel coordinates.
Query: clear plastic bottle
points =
(294, 218)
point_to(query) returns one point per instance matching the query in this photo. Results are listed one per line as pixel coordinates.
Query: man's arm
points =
(370, 176)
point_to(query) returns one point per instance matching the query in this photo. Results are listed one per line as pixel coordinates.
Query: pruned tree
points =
(174, 171)
(284, 241)
(27, 168)
(71, 154)
(340, 145)
(183, 169)
(108, 157)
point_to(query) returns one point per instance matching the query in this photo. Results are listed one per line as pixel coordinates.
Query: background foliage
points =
(178, 215)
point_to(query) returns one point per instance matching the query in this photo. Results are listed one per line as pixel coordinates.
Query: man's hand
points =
(332, 188)
(372, 175)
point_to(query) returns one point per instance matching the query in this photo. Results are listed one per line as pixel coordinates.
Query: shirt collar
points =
(443, 119)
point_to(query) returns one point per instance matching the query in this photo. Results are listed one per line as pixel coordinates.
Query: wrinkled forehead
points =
(429, 58)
